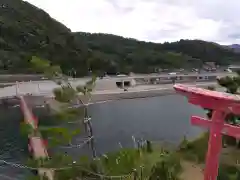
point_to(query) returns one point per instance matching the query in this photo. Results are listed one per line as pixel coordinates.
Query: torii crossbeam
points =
(221, 104)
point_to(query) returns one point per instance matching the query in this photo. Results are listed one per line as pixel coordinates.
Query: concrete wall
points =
(135, 94)
(110, 84)
(105, 84)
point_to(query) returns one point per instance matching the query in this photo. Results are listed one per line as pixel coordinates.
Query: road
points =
(142, 91)
(165, 75)
(45, 88)
(220, 74)
(152, 88)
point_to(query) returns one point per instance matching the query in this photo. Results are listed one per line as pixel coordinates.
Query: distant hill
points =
(26, 30)
(235, 47)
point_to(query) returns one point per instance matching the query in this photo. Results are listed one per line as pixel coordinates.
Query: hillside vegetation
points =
(27, 31)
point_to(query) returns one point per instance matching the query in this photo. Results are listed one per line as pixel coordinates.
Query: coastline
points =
(104, 96)
(136, 93)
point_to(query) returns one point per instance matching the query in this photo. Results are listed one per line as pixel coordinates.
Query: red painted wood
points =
(214, 146)
(35, 120)
(36, 144)
(232, 130)
(221, 104)
(45, 142)
(29, 118)
(227, 129)
(198, 121)
(210, 99)
(207, 93)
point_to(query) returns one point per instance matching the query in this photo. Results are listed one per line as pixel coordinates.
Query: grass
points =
(129, 159)
(148, 160)
(230, 156)
(228, 172)
(195, 150)
(192, 154)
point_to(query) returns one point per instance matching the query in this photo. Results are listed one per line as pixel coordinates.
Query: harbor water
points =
(161, 119)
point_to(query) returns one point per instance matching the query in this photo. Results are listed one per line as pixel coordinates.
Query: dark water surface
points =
(13, 146)
(164, 118)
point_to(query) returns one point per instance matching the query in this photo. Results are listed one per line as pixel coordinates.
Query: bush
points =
(120, 162)
(227, 172)
(167, 168)
(229, 140)
(195, 150)
(64, 94)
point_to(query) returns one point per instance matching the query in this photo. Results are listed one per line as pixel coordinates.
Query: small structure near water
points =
(115, 83)
(132, 81)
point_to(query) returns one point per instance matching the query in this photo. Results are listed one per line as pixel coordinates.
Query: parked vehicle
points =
(172, 73)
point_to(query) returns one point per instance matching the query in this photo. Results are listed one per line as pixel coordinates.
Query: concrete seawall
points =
(144, 93)
(102, 96)
(130, 95)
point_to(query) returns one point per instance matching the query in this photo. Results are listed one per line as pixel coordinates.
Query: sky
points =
(150, 20)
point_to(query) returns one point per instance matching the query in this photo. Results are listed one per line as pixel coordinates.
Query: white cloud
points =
(150, 20)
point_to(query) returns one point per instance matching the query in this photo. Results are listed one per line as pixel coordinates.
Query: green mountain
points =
(27, 31)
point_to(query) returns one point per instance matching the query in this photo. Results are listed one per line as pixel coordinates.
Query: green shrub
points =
(64, 94)
(227, 172)
(120, 162)
(167, 168)
(229, 140)
(195, 150)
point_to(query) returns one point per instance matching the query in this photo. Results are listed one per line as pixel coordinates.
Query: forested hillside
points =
(234, 47)
(27, 31)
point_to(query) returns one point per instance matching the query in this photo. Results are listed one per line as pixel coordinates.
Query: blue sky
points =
(151, 20)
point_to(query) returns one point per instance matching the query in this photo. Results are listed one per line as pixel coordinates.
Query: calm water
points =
(164, 118)
(13, 147)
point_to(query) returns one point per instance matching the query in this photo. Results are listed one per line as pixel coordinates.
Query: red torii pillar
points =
(221, 104)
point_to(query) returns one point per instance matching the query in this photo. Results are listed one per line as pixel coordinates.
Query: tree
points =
(22, 37)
